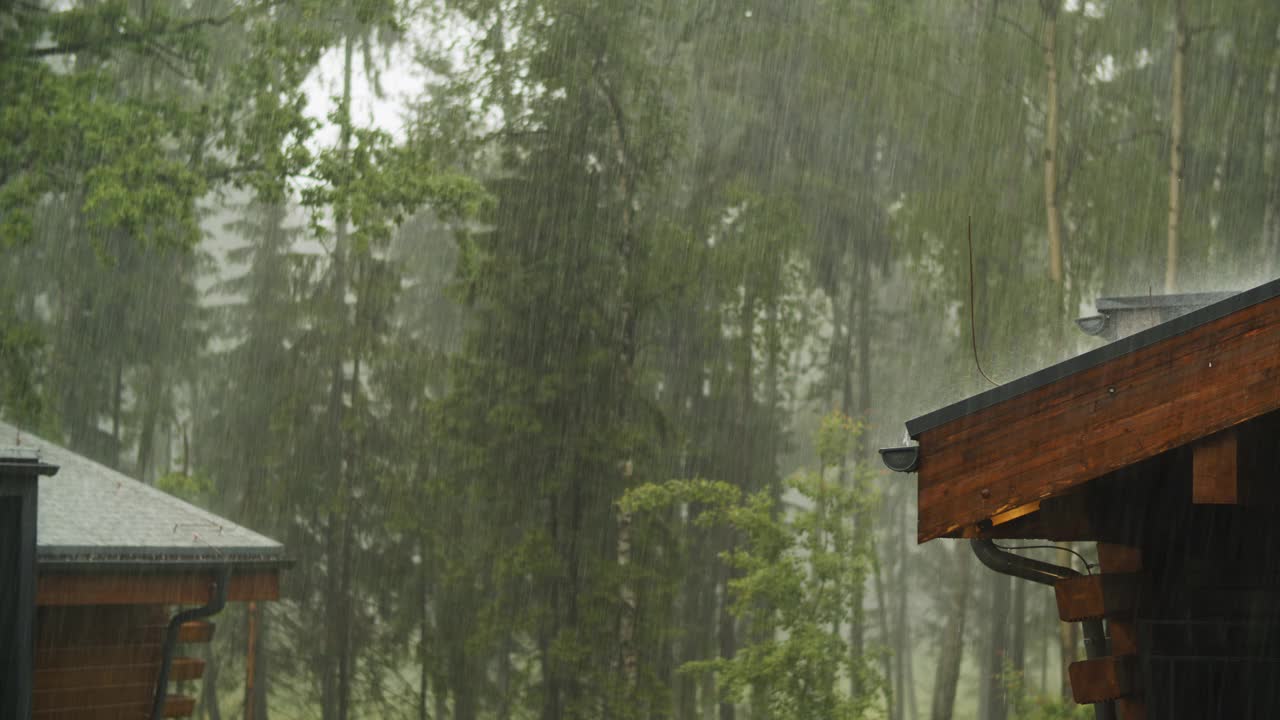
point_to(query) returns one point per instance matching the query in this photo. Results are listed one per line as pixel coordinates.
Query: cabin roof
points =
(1225, 304)
(995, 456)
(91, 515)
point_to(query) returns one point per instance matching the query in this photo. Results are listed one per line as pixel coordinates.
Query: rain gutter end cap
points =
(901, 459)
(1093, 325)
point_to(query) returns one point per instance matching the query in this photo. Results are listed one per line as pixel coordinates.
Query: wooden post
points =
(250, 661)
(1123, 631)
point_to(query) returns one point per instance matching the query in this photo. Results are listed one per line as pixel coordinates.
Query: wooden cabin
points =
(128, 581)
(1163, 447)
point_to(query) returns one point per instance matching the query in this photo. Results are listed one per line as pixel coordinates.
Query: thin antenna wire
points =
(973, 329)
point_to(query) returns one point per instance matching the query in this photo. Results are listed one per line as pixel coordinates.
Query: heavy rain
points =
(531, 359)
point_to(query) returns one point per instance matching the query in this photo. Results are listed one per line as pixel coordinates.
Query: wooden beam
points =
(96, 655)
(1215, 479)
(1123, 631)
(89, 697)
(1092, 597)
(1061, 435)
(1102, 679)
(1015, 513)
(179, 706)
(1115, 558)
(186, 668)
(151, 589)
(174, 706)
(196, 631)
(59, 679)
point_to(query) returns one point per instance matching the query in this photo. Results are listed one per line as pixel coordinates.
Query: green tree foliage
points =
(611, 243)
(801, 566)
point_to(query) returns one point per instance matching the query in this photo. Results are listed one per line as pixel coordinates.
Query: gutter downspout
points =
(217, 601)
(1007, 563)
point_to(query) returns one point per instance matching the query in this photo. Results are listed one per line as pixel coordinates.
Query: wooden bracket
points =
(1091, 597)
(1102, 679)
(1215, 479)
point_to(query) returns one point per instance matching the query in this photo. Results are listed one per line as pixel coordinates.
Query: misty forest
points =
(555, 338)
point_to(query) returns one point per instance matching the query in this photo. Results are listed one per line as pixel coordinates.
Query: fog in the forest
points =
(555, 339)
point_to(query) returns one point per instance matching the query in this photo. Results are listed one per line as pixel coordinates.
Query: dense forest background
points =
(560, 369)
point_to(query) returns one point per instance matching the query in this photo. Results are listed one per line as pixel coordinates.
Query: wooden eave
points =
(191, 586)
(999, 453)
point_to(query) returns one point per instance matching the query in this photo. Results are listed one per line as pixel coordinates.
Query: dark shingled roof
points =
(1106, 353)
(91, 515)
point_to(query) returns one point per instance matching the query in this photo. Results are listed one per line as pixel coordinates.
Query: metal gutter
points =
(1007, 563)
(901, 459)
(151, 565)
(1093, 358)
(218, 601)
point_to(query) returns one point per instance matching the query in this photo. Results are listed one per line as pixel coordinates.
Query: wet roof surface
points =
(91, 514)
(1184, 323)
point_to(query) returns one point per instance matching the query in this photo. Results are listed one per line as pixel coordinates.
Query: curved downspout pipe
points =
(1007, 563)
(217, 601)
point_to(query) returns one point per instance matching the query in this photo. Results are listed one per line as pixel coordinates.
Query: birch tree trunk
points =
(626, 622)
(1270, 130)
(1180, 42)
(1053, 218)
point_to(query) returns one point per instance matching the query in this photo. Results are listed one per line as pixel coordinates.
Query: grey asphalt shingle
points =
(89, 513)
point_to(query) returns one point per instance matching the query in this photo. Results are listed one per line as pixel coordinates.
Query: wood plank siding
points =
(1069, 431)
(143, 589)
(103, 661)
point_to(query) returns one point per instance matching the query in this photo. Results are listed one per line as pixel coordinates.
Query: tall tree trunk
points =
(333, 625)
(859, 305)
(441, 698)
(1181, 40)
(947, 675)
(464, 698)
(745, 474)
(865, 294)
(1270, 244)
(697, 692)
(1018, 635)
(336, 531)
(1224, 150)
(627, 611)
(902, 632)
(346, 590)
(153, 399)
(882, 611)
(505, 673)
(209, 686)
(117, 400)
(262, 665)
(1053, 218)
(727, 633)
(424, 684)
(995, 705)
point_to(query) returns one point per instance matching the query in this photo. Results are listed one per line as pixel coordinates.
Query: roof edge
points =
(1093, 358)
(145, 566)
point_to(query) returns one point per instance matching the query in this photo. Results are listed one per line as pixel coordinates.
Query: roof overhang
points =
(105, 584)
(1004, 450)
